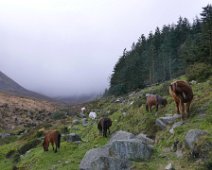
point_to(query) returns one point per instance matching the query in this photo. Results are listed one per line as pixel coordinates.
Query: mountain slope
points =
(7, 85)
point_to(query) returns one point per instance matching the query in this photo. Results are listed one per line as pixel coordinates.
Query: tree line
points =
(164, 54)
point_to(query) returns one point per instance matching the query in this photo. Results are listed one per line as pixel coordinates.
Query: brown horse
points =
(52, 137)
(156, 100)
(104, 126)
(182, 94)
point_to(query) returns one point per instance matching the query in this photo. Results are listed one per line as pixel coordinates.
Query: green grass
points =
(136, 121)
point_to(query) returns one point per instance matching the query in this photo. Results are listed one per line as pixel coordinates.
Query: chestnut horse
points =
(52, 137)
(104, 126)
(182, 94)
(156, 100)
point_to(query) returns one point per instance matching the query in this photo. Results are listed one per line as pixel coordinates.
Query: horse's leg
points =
(156, 107)
(187, 108)
(177, 106)
(182, 107)
(147, 109)
(52, 143)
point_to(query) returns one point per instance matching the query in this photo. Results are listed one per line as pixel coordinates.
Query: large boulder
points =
(193, 136)
(132, 149)
(121, 135)
(92, 155)
(110, 163)
(145, 139)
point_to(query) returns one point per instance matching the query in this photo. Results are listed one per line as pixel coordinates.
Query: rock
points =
(92, 155)
(82, 115)
(179, 153)
(84, 122)
(110, 163)
(124, 114)
(132, 149)
(4, 135)
(193, 136)
(177, 124)
(170, 166)
(160, 123)
(73, 137)
(121, 135)
(76, 121)
(145, 139)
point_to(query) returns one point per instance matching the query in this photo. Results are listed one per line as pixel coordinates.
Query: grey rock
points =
(76, 121)
(132, 149)
(193, 136)
(121, 135)
(4, 135)
(145, 139)
(73, 137)
(179, 153)
(110, 163)
(177, 124)
(170, 166)
(92, 155)
(160, 123)
(82, 115)
(84, 122)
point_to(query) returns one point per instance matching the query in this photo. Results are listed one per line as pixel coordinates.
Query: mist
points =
(70, 47)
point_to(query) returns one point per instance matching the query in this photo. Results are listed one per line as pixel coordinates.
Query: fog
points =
(69, 47)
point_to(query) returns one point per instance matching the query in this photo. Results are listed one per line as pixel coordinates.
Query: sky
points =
(70, 47)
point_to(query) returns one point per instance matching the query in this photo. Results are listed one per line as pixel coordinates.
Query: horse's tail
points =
(58, 140)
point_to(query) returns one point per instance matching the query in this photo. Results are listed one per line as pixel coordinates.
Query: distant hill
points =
(9, 86)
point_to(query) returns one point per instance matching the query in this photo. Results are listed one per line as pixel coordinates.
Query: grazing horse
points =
(156, 100)
(52, 137)
(104, 125)
(182, 94)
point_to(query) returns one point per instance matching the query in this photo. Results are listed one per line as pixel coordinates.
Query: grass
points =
(135, 120)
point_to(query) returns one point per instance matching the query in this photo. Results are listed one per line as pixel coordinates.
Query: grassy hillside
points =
(128, 113)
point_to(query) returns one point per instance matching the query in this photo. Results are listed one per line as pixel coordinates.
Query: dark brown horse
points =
(182, 94)
(104, 126)
(154, 100)
(52, 137)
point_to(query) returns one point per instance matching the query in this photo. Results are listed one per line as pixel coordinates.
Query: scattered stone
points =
(84, 122)
(82, 115)
(177, 124)
(170, 166)
(193, 136)
(160, 123)
(179, 153)
(4, 135)
(73, 137)
(76, 122)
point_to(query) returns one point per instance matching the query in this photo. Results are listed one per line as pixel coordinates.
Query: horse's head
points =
(164, 102)
(45, 145)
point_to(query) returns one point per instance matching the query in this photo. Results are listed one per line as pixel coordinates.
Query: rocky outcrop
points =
(131, 149)
(122, 148)
(93, 155)
(121, 135)
(110, 163)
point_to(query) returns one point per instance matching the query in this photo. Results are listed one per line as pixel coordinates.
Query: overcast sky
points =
(68, 47)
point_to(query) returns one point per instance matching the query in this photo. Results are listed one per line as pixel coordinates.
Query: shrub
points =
(199, 72)
(58, 115)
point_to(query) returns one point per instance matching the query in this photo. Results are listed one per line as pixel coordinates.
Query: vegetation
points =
(164, 54)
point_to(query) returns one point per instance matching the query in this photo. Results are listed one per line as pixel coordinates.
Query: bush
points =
(199, 72)
(58, 116)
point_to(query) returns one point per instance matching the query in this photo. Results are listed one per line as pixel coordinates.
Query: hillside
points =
(9, 86)
(128, 114)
